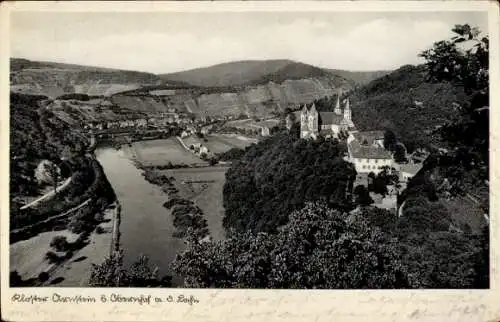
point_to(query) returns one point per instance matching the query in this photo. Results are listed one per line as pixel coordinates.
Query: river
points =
(146, 226)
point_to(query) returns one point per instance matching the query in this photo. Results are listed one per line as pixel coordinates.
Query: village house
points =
(206, 129)
(186, 133)
(141, 122)
(203, 150)
(112, 124)
(127, 123)
(264, 131)
(368, 158)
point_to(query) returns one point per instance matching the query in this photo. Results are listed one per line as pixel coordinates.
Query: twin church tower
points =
(328, 124)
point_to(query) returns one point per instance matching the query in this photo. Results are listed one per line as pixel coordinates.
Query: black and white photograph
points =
(249, 150)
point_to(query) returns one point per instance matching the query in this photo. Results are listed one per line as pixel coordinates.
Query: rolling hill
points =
(228, 74)
(258, 72)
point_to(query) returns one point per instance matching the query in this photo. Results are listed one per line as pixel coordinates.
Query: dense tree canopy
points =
(35, 136)
(112, 273)
(278, 175)
(321, 247)
(464, 170)
(463, 61)
(318, 248)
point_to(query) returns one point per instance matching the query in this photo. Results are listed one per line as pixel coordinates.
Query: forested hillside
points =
(36, 135)
(258, 72)
(404, 102)
(228, 74)
(278, 175)
(294, 71)
(360, 77)
(461, 175)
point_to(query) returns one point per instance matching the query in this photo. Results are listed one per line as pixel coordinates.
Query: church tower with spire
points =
(337, 109)
(347, 111)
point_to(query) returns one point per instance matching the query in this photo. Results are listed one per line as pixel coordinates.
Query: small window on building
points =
(376, 161)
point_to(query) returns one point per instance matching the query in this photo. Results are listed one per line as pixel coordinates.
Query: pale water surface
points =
(146, 226)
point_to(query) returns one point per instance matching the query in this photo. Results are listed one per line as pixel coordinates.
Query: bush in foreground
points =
(59, 243)
(318, 248)
(111, 273)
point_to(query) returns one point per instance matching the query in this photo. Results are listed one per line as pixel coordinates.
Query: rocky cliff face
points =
(259, 100)
(147, 93)
(53, 79)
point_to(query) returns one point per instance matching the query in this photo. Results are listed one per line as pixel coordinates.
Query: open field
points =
(216, 145)
(76, 271)
(239, 123)
(192, 140)
(219, 143)
(203, 186)
(160, 152)
(250, 124)
(27, 257)
(235, 140)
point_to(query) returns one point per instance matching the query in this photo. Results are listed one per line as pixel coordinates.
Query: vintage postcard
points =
(248, 161)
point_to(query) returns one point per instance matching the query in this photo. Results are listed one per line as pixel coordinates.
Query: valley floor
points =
(204, 187)
(76, 272)
(27, 257)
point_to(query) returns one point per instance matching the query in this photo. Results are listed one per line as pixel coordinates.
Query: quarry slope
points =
(55, 79)
(251, 88)
(257, 100)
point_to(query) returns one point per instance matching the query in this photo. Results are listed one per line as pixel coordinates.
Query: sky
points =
(164, 42)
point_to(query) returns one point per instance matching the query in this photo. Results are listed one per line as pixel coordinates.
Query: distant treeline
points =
(78, 97)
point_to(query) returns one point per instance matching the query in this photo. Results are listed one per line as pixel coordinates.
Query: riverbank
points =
(101, 243)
